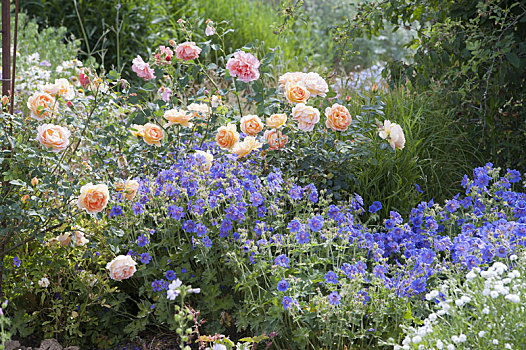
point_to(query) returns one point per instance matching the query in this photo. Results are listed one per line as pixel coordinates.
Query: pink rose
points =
(165, 93)
(142, 69)
(210, 30)
(244, 66)
(164, 56)
(187, 51)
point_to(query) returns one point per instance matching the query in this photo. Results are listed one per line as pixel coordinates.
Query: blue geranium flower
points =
(375, 207)
(283, 285)
(142, 241)
(116, 210)
(145, 258)
(296, 193)
(334, 298)
(287, 302)
(175, 212)
(331, 277)
(282, 260)
(137, 208)
(207, 242)
(294, 226)
(316, 223)
(303, 237)
(170, 275)
(16, 261)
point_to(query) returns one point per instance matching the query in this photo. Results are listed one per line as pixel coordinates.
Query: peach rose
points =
(296, 93)
(119, 185)
(142, 69)
(42, 105)
(251, 124)
(187, 51)
(80, 240)
(64, 239)
(291, 78)
(275, 139)
(62, 88)
(338, 117)
(395, 134)
(180, 117)
(227, 136)
(306, 116)
(199, 110)
(122, 267)
(93, 198)
(316, 85)
(53, 136)
(152, 134)
(130, 189)
(276, 120)
(242, 149)
(207, 158)
(137, 130)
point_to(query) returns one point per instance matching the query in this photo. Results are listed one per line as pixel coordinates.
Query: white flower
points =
(471, 275)
(513, 257)
(440, 345)
(171, 294)
(175, 284)
(495, 342)
(394, 133)
(462, 338)
(494, 294)
(407, 340)
(417, 339)
(44, 282)
(432, 295)
(513, 298)
(173, 289)
(485, 311)
(218, 347)
(507, 346)
(432, 317)
(455, 339)
(481, 333)
(451, 347)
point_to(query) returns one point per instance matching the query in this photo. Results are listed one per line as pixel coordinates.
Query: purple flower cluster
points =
(232, 208)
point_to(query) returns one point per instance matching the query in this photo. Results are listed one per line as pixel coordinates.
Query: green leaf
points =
(513, 59)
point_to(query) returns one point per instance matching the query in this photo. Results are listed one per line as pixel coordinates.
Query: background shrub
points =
(470, 54)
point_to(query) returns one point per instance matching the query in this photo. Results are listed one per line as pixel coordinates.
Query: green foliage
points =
(50, 43)
(114, 32)
(471, 54)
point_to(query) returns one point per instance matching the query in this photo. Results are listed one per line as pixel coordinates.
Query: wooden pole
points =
(6, 47)
(13, 73)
